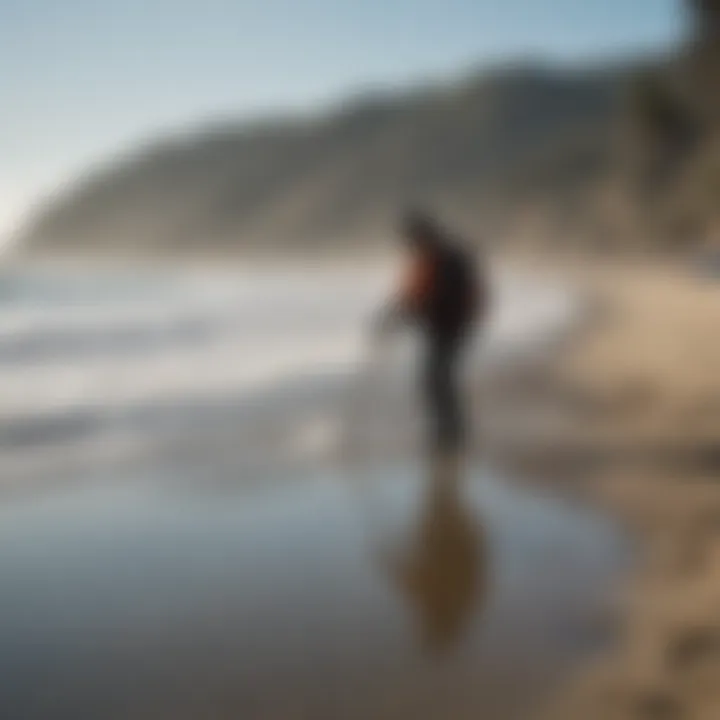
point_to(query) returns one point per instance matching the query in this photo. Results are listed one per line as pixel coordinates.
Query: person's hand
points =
(379, 327)
(383, 324)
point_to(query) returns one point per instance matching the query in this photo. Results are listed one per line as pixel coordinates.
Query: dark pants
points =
(440, 386)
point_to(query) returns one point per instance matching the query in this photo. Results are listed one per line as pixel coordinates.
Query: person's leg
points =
(442, 394)
(429, 391)
(453, 429)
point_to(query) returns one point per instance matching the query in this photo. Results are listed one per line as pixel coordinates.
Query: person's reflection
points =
(443, 573)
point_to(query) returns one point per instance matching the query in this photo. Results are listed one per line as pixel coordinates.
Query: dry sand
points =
(628, 411)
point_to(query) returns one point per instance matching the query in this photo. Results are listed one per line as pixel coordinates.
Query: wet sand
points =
(410, 596)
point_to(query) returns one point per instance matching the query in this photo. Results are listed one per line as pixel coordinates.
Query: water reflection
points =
(130, 599)
(443, 571)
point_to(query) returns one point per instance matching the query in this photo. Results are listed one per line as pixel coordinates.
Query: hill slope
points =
(480, 146)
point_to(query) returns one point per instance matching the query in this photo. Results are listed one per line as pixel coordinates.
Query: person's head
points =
(420, 231)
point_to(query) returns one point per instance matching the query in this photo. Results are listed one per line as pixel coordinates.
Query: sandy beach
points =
(627, 414)
(607, 418)
(596, 455)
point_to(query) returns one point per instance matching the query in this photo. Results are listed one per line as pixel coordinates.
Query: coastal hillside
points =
(477, 146)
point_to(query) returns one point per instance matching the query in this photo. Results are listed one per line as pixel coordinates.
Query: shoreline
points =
(576, 412)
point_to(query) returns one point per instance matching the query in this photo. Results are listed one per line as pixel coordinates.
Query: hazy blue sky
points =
(82, 79)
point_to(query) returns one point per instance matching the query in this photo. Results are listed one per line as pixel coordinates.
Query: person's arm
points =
(408, 303)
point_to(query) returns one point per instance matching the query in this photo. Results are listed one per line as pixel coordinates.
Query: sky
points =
(84, 80)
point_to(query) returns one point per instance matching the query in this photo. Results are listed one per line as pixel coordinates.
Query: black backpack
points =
(455, 297)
